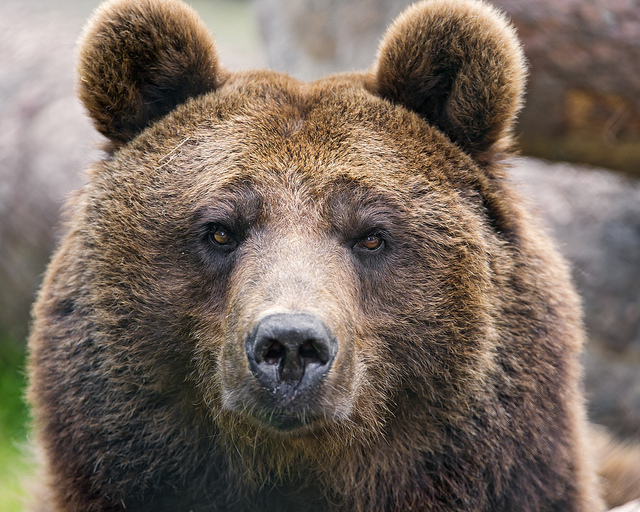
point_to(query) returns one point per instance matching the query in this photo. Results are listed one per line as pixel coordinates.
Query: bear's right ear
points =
(138, 60)
(459, 65)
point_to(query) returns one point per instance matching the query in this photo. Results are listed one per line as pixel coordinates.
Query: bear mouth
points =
(285, 422)
(288, 421)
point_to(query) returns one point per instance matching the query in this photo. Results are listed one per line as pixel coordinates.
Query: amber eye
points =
(371, 242)
(220, 236)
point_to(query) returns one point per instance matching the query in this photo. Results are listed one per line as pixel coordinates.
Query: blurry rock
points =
(583, 102)
(594, 216)
(45, 141)
(312, 38)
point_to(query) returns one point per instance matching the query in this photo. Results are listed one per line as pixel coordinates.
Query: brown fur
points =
(456, 382)
(139, 60)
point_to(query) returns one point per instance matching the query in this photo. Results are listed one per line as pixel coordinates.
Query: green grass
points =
(14, 462)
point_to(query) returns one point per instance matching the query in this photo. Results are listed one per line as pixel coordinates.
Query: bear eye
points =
(220, 236)
(370, 242)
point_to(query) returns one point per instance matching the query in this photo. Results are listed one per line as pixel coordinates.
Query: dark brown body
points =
(455, 382)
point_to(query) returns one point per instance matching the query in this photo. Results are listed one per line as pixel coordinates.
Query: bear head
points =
(327, 279)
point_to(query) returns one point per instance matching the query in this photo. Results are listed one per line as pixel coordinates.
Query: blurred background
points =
(579, 135)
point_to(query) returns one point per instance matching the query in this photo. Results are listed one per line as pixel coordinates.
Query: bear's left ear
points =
(138, 60)
(458, 64)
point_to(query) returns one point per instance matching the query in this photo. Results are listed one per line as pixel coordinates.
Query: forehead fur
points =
(267, 122)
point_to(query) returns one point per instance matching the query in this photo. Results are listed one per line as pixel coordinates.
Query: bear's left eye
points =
(221, 237)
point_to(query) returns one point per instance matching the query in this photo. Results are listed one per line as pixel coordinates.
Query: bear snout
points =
(290, 353)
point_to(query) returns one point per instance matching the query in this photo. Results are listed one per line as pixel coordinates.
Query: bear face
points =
(277, 295)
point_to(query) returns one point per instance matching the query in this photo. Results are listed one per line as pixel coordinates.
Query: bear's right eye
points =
(371, 242)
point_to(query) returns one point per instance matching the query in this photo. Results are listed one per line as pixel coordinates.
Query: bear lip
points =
(284, 422)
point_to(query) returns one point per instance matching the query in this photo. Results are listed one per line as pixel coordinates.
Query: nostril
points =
(309, 353)
(275, 353)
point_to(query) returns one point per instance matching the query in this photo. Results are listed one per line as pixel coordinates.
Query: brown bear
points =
(277, 296)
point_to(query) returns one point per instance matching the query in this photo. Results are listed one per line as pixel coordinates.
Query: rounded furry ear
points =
(139, 59)
(458, 64)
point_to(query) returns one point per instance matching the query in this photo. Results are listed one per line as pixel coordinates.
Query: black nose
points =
(290, 352)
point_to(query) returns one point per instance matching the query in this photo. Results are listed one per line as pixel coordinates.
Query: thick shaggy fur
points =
(458, 68)
(139, 60)
(456, 381)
